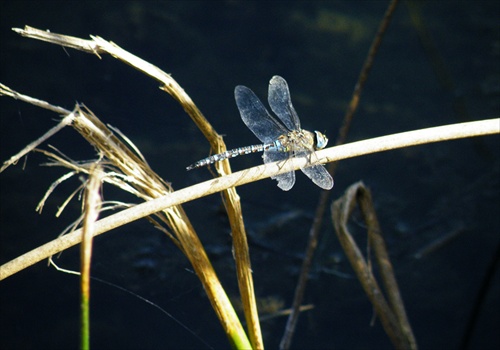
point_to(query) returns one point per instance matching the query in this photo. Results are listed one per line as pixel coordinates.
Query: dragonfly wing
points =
(286, 180)
(281, 103)
(319, 175)
(256, 117)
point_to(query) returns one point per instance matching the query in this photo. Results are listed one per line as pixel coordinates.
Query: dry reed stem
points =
(127, 170)
(92, 206)
(99, 46)
(150, 185)
(365, 202)
(232, 203)
(314, 231)
(384, 143)
(392, 314)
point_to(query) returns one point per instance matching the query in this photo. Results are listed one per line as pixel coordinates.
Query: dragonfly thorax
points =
(293, 141)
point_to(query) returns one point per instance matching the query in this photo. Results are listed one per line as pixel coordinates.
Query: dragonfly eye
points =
(321, 140)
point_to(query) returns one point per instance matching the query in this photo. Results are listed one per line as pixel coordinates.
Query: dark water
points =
(422, 193)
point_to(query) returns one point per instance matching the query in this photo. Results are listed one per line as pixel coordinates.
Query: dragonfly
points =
(282, 137)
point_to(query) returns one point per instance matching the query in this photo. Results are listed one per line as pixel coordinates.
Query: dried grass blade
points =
(398, 331)
(376, 240)
(92, 206)
(98, 46)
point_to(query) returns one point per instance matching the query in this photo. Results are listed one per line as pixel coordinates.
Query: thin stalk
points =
(355, 149)
(312, 243)
(92, 206)
(99, 46)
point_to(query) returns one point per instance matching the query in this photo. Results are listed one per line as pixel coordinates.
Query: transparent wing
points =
(286, 180)
(281, 103)
(317, 173)
(256, 117)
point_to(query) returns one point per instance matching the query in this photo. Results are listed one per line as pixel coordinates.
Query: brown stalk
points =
(151, 185)
(92, 206)
(314, 232)
(391, 313)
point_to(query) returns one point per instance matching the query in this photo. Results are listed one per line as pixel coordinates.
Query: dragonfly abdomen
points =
(230, 154)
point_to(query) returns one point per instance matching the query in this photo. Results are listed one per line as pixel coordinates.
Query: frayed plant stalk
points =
(98, 46)
(127, 170)
(355, 149)
(67, 120)
(148, 185)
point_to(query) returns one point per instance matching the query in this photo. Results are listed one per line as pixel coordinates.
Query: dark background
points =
(422, 194)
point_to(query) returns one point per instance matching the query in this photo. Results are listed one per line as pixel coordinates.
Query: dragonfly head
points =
(320, 140)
